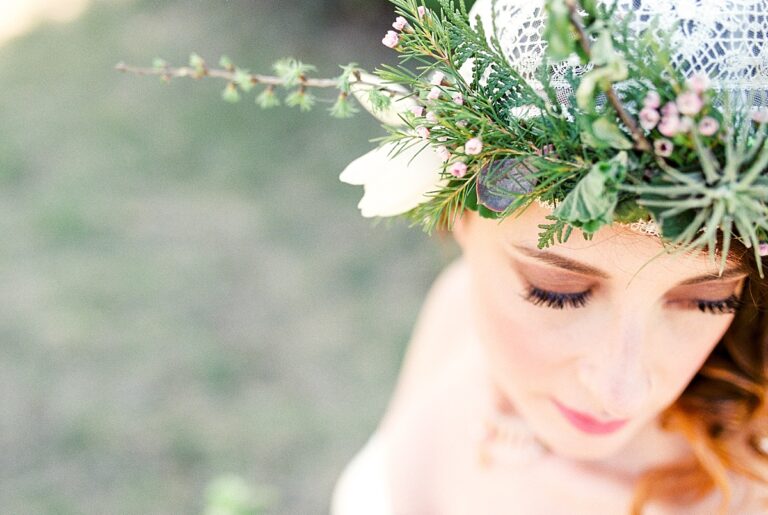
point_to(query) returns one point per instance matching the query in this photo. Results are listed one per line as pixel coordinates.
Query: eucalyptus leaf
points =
(592, 202)
(599, 80)
(608, 134)
(500, 182)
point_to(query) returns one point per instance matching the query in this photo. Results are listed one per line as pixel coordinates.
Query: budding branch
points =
(168, 72)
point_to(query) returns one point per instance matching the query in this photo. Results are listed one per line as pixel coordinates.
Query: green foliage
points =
(343, 108)
(231, 495)
(347, 75)
(243, 79)
(230, 93)
(604, 165)
(291, 71)
(301, 99)
(591, 203)
(267, 99)
(197, 63)
(379, 101)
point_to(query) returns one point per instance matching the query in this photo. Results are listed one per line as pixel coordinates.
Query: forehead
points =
(618, 250)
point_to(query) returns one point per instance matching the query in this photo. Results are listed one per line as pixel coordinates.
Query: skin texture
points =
(626, 353)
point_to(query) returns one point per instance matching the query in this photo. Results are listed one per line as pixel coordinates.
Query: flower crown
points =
(619, 134)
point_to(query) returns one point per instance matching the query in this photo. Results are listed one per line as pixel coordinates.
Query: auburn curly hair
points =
(722, 413)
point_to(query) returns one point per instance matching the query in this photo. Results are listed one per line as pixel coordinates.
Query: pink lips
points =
(589, 424)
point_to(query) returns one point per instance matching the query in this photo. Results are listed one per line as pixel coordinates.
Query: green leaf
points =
(231, 94)
(343, 108)
(629, 211)
(226, 63)
(267, 98)
(243, 79)
(608, 134)
(301, 99)
(292, 71)
(592, 202)
(379, 101)
(347, 74)
(198, 63)
(159, 63)
(558, 31)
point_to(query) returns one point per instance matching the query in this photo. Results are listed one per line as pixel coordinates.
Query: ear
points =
(462, 228)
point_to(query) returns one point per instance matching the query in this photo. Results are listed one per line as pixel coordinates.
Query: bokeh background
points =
(193, 315)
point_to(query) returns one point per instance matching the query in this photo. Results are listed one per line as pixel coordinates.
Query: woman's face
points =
(592, 340)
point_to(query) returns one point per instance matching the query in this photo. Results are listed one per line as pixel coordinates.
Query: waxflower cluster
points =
(678, 118)
(392, 37)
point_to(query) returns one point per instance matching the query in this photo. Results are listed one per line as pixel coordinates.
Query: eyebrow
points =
(582, 268)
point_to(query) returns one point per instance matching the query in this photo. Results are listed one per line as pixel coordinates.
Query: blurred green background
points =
(192, 308)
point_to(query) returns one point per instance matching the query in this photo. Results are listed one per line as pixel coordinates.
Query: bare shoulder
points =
(431, 385)
(439, 335)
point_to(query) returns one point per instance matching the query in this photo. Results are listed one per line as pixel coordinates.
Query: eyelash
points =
(556, 300)
(720, 307)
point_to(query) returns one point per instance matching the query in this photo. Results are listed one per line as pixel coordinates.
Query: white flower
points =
(394, 184)
(402, 103)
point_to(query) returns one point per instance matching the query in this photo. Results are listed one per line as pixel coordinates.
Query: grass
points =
(186, 290)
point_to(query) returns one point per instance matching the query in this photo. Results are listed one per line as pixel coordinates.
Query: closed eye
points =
(726, 306)
(557, 300)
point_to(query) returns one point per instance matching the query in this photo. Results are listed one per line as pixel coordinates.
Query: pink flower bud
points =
(391, 39)
(698, 83)
(663, 147)
(708, 126)
(458, 99)
(669, 126)
(473, 147)
(762, 249)
(649, 117)
(421, 10)
(444, 153)
(417, 111)
(434, 93)
(400, 23)
(437, 78)
(431, 117)
(670, 109)
(760, 116)
(652, 100)
(689, 103)
(458, 169)
(422, 132)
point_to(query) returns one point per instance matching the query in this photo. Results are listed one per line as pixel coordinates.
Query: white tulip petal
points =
(394, 184)
(402, 103)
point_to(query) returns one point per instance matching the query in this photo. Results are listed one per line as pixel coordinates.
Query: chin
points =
(586, 447)
(567, 441)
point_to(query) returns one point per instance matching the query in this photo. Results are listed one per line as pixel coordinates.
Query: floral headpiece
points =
(625, 112)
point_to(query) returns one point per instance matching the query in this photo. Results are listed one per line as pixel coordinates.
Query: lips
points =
(588, 424)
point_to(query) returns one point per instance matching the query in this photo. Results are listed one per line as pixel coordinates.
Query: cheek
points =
(519, 346)
(681, 352)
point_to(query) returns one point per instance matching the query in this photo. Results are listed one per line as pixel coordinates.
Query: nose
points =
(616, 376)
